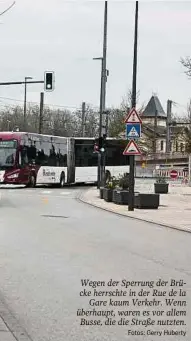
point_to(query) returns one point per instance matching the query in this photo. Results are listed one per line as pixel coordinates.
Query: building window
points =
(181, 147)
(176, 146)
(171, 146)
(161, 145)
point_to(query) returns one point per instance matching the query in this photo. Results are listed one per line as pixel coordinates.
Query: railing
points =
(163, 156)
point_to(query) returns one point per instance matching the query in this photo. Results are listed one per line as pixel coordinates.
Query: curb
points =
(80, 198)
(11, 322)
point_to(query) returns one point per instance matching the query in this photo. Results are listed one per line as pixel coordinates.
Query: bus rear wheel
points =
(62, 180)
(32, 181)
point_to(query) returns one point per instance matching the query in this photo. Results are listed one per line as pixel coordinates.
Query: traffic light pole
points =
(133, 104)
(102, 130)
(41, 112)
(27, 82)
(98, 170)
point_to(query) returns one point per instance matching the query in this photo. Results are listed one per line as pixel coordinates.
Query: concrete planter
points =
(108, 194)
(146, 201)
(121, 197)
(161, 188)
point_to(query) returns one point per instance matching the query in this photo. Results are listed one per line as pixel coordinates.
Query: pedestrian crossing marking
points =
(66, 193)
(133, 132)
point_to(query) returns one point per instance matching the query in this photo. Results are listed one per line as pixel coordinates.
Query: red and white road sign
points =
(133, 117)
(132, 149)
(173, 174)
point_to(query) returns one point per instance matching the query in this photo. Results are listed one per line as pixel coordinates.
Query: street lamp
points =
(100, 122)
(25, 101)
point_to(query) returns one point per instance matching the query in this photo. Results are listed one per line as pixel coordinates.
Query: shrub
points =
(112, 184)
(124, 181)
(161, 180)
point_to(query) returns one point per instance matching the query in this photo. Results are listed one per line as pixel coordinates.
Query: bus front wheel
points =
(32, 181)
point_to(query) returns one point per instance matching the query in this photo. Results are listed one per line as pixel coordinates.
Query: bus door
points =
(27, 156)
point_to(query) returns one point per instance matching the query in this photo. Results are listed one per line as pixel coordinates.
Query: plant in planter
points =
(108, 189)
(161, 185)
(121, 194)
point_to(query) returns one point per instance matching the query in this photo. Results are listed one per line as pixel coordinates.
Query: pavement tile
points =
(6, 336)
(3, 326)
(174, 212)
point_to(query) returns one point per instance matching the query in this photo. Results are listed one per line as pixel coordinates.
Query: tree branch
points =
(6, 10)
(186, 62)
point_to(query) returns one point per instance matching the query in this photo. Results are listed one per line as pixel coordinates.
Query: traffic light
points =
(49, 81)
(100, 144)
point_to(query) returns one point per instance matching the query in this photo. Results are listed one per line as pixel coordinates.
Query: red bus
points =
(30, 159)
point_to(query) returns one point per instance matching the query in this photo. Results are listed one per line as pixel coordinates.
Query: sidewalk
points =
(5, 334)
(174, 210)
(10, 328)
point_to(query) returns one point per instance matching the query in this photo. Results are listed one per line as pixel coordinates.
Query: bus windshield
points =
(7, 153)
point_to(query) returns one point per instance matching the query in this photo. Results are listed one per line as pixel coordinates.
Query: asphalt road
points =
(49, 241)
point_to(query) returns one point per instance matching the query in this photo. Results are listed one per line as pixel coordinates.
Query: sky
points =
(64, 37)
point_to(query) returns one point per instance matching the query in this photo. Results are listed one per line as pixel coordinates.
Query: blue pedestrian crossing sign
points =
(133, 130)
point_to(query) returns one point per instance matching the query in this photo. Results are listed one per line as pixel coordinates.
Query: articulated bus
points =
(30, 159)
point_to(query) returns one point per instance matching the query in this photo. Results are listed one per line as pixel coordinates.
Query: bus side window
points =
(52, 159)
(24, 156)
(40, 159)
(62, 156)
(31, 153)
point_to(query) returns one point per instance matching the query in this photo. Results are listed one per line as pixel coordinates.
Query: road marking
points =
(65, 193)
(46, 192)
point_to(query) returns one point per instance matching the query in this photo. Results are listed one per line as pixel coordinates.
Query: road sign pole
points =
(99, 170)
(134, 92)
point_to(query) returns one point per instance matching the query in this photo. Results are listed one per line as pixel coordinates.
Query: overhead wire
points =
(46, 105)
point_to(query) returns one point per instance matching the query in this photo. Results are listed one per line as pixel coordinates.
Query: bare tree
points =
(116, 124)
(186, 62)
(91, 122)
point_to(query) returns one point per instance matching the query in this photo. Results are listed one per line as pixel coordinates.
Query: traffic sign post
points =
(173, 174)
(132, 149)
(132, 115)
(133, 130)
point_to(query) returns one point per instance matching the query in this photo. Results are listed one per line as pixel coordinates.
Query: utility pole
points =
(25, 102)
(155, 134)
(83, 118)
(133, 105)
(41, 112)
(168, 125)
(104, 74)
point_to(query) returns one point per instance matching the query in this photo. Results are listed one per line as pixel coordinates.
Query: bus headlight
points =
(13, 176)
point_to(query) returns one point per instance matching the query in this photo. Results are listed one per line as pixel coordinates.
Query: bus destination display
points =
(8, 144)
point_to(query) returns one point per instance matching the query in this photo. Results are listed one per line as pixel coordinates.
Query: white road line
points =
(46, 192)
(65, 193)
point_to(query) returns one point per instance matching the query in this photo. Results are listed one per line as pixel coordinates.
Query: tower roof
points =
(152, 107)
